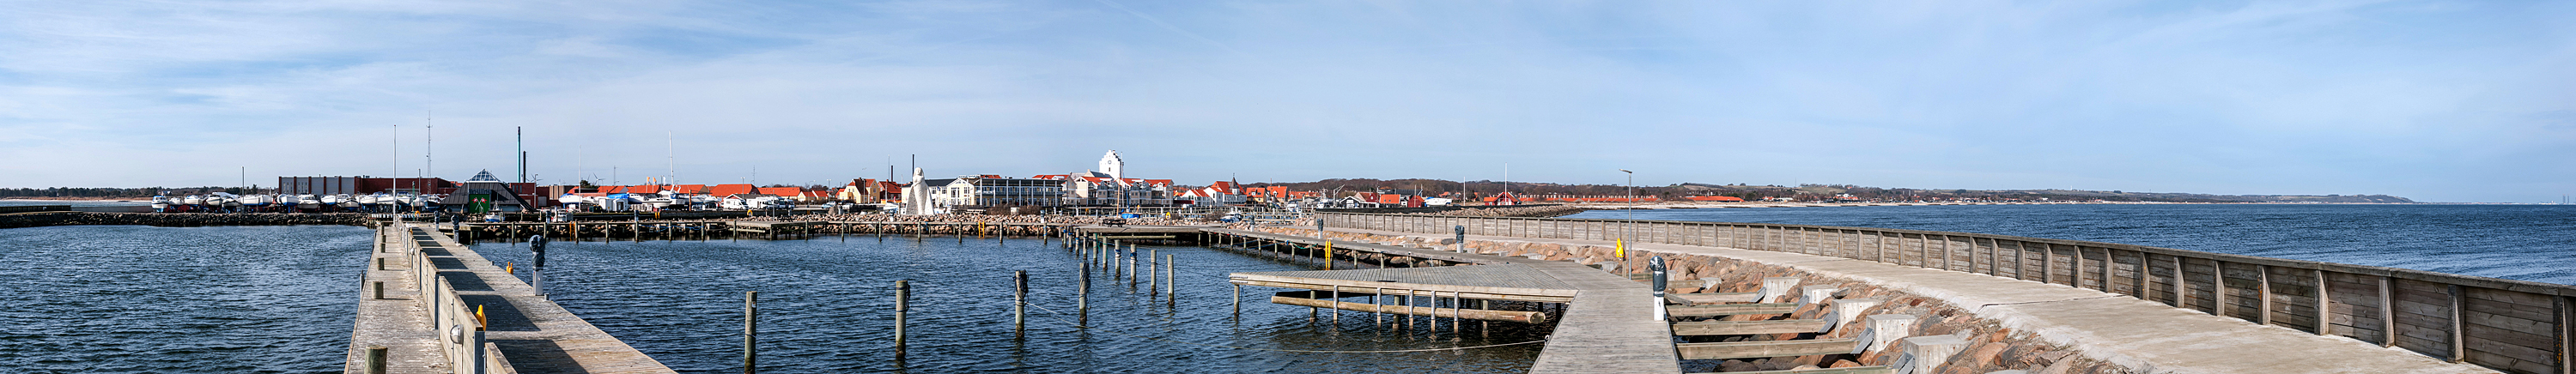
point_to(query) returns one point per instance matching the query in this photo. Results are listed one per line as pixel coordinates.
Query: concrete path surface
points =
(2146, 336)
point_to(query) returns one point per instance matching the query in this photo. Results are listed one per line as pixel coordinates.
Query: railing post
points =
(2263, 289)
(2325, 302)
(2459, 337)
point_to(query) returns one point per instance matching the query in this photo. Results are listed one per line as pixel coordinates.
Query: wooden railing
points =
(2508, 325)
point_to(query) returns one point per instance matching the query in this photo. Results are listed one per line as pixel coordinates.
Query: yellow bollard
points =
(479, 320)
(511, 268)
(1328, 255)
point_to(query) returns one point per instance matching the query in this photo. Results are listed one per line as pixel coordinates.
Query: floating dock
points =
(1608, 324)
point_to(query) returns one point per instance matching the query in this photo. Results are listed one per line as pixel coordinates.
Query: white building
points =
(980, 191)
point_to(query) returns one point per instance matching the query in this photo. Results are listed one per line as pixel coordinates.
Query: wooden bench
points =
(1731, 309)
(1792, 326)
(1710, 298)
(1848, 370)
(1782, 348)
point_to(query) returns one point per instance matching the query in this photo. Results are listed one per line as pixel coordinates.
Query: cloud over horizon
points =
(2432, 100)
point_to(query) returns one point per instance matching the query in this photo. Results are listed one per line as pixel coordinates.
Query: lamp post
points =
(1632, 205)
(1630, 232)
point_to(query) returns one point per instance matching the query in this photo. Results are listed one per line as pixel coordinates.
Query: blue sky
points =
(2432, 100)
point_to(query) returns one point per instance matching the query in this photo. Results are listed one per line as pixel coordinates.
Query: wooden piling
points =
(1019, 304)
(1152, 274)
(902, 303)
(750, 332)
(1082, 298)
(1171, 296)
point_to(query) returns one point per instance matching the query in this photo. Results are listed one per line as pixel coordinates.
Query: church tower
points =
(1110, 164)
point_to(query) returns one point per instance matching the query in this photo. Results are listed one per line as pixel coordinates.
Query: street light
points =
(1631, 230)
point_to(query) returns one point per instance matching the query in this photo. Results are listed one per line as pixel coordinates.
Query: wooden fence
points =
(2508, 325)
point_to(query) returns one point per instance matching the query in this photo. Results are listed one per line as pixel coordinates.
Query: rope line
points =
(1058, 316)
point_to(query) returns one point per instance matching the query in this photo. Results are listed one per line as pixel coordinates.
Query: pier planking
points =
(534, 334)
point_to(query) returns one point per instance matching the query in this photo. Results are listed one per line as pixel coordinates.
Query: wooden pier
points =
(1608, 324)
(727, 229)
(445, 309)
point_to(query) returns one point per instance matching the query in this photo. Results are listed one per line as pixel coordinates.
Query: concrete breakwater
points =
(1512, 211)
(2132, 308)
(41, 219)
(1990, 347)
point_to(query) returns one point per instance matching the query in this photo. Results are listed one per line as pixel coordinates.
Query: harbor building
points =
(485, 194)
(974, 193)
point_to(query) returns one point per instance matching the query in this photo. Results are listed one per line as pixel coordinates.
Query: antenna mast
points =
(428, 150)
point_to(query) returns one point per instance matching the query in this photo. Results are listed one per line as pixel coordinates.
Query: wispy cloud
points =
(2418, 98)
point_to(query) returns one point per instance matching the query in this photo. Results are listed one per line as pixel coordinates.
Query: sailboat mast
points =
(670, 159)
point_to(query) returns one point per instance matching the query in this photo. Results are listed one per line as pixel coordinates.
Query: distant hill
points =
(1877, 193)
(1813, 192)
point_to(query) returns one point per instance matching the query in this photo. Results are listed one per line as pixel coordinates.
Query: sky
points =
(2442, 101)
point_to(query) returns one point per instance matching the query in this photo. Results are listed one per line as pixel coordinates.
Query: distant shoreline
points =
(67, 198)
(1733, 205)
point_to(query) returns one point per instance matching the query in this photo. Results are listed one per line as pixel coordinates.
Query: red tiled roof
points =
(782, 191)
(732, 189)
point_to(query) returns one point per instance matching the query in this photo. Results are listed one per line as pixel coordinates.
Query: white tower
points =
(1110, 164)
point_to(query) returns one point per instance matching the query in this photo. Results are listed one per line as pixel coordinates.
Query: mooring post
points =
(1171, 295)
(750, 332)
(1238, 301)
(1656, 264)
(902, 303)
(1019, 304)
(1462, 237)
(1082, 298)
(537, 275)
(1152, 273)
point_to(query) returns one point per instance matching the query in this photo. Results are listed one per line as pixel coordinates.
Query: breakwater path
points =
(2102, 302)
(432, 305)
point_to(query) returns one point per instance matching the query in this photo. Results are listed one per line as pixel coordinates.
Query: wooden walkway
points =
(534, 334)
(1608, 325)
(398, 321)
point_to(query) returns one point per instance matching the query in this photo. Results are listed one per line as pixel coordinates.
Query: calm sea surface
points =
(127, 299)
(279, 299)
(2520, 242)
